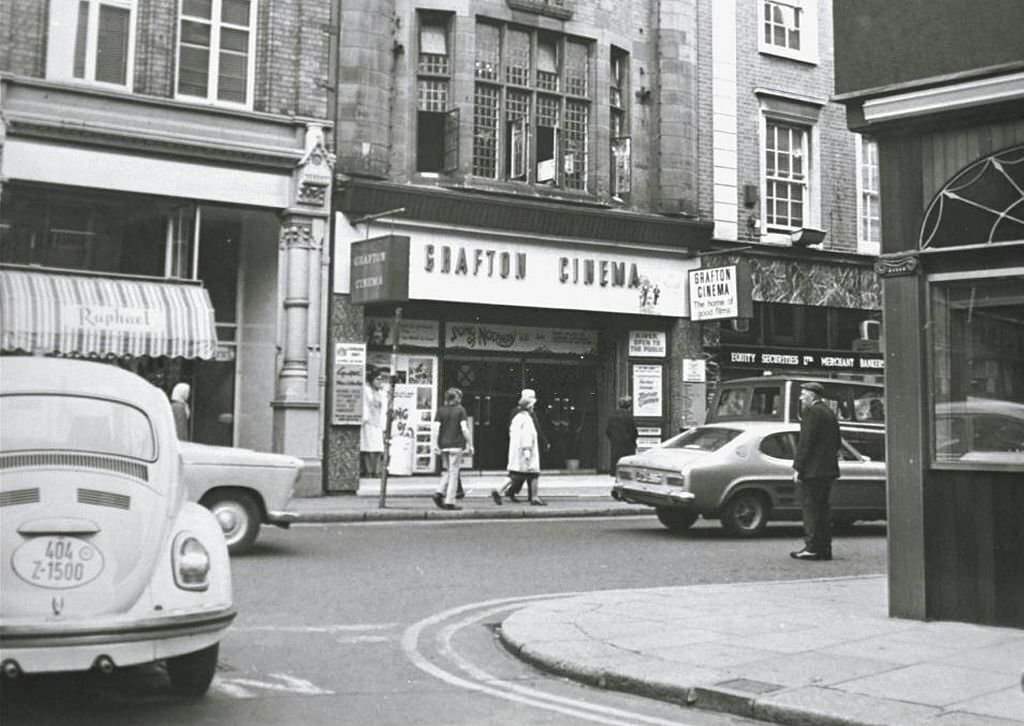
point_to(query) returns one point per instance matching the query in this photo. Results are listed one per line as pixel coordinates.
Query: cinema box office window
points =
(977, 344)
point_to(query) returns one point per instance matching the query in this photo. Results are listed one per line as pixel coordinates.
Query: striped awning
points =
(49, 312)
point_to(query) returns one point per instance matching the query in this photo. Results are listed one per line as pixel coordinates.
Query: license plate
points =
(648, 477)
(58, 562)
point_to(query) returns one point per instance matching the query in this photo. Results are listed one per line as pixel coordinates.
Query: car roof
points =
(761, 427)
(35, 374)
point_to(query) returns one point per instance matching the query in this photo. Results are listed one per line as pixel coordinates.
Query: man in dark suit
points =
(816, 467)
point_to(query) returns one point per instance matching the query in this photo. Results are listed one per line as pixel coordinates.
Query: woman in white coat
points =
(523, 448)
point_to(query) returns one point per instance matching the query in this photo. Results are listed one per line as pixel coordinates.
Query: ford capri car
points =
(741, 473)
(104, 563)
(243, 488)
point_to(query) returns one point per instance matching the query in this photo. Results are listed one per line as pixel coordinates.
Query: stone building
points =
(164, 204)
(541, 176)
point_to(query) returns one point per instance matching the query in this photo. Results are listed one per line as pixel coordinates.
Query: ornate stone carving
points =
(896, 265)
(561, 9)
(315, 170)
(297, 234)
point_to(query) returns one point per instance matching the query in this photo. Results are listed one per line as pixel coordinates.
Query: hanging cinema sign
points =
(721, 292)
(380, 270)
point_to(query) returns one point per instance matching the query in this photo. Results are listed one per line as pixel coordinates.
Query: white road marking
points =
(314, 628)
(355, 639)
(486, 683)
(241, 687)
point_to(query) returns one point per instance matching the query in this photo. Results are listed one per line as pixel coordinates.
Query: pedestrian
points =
(182, 413)
(511, 488)
(523, 451)
(371, 434)
(621, 431)
(816, 466)
(452, 442)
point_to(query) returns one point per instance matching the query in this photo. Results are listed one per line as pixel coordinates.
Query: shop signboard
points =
(647, 438)
(647, 390)
(415, 403)
(718, 293)
(380, 270)
(520, 339)
(349, 376)
(647, 344)
(814, 359)
(412, 333)
(694, 370)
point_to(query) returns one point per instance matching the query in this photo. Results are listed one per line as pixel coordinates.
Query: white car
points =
(243, 488)
(104, 562)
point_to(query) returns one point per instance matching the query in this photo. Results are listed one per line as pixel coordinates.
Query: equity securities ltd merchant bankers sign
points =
(435, 266)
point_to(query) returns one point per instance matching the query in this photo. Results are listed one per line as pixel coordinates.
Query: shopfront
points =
(580, 323)
(187, 251)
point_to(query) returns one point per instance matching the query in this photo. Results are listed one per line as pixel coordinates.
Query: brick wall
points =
(292, 44)
(836, 153)
(376, 123)
(23, 37)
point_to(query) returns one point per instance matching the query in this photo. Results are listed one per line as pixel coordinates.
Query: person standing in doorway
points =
(371, 434)
(816, 466)
(453, 441)
(621, 431)
(182, 413)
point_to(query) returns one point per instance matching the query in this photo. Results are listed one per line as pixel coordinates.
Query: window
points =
(869, 210)
(779, 446)
(709, 438)
(868, 443)
(621, 146)
(531, 114)
(785, 176)
(215, 50)
(437, 124)
(92, 41)
(789, 28)
(977, 346)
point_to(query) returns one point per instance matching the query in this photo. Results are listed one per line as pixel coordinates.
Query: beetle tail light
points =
(190, 562)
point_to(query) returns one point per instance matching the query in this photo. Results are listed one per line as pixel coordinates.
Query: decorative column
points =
(301, 379)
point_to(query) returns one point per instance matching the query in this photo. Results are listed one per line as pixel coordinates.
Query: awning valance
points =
(49, 312)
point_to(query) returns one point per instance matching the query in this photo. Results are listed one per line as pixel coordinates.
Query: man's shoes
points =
(496, 496)
(450, 507)
(538, 502)
(806, 554)
(438, 499)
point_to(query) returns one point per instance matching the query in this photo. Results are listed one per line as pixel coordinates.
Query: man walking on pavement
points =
(816, 467)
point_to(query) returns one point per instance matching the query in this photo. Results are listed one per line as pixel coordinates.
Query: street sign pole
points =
(396, 328)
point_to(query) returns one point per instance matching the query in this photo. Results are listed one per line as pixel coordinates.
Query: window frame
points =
(934, 282)
(620, 141)
(518, 139)
(62, 41)
(866, 245)
(428, 72)
(808, 51)
(775, 233)
(213, 64)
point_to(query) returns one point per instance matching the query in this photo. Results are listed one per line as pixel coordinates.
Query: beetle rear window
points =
(702, 439)
(74, 423)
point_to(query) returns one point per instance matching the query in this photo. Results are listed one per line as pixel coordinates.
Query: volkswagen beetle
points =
(105, 563)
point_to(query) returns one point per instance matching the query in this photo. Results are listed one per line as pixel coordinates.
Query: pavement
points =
(408, 498)
(819, 652)
(814, 652)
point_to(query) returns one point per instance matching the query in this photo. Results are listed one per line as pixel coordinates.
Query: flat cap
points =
(813, 386)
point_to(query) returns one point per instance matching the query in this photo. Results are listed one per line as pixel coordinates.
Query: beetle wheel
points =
(192, 673)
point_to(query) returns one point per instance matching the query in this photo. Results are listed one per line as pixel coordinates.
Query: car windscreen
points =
(50, 422)
(702, 439)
